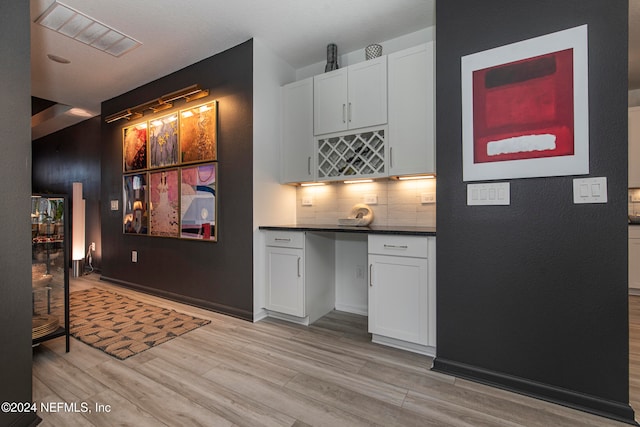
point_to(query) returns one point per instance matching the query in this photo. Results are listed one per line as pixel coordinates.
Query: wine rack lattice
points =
(360, 154)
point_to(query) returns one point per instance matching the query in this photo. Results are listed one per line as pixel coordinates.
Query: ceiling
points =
(173, 36)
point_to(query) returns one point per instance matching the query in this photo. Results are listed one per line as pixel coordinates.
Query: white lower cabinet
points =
(299, 275)
(401, 301)
(402, 292)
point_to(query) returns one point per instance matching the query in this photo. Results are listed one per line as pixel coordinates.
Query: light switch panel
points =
(114, 205)
(495, 193)
(590, 190)
(307, 201)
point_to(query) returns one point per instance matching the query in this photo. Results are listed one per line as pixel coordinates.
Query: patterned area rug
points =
(121, 326)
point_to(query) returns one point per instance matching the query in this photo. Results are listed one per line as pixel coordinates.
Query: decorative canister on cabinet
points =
(332, 58)
(373, 51)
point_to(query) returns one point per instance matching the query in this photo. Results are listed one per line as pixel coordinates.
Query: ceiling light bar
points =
(163, 103)
(80, 27)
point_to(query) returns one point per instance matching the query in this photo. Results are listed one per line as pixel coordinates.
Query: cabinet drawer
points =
(285, 239)
(409, 246)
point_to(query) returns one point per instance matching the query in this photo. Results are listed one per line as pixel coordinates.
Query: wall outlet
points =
(134, 256)
(427, 197)
(307, 201)
(114, 205)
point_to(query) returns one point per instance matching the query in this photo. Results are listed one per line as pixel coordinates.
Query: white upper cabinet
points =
(297, 132)
(634, 147)
(351, 98)
(412, 111)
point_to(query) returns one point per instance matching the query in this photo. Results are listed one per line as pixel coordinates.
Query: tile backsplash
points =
(398, 202)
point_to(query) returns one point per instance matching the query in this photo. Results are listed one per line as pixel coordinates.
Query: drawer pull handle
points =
(299, 267)
(396, 246)
(344, 113)
(370, 275)
(278, 239)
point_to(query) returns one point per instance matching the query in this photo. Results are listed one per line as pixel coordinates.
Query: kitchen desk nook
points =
(384, 272)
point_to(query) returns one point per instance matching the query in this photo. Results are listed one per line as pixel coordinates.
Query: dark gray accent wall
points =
(217, 275)
(67, 156)
(533, 296)
(15, 191)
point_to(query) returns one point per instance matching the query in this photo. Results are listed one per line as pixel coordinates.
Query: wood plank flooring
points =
(271, 373)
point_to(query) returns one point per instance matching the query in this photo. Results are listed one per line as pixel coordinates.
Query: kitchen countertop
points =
(374, 229)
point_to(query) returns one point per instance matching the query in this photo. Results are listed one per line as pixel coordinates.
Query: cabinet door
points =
(367, 103)
(634, 147)
(398, 298)
(285, 281)
(634, 263)
(412, 111)
(297, 131)
(330, 102)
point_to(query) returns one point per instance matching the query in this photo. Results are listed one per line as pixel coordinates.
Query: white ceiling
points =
(175, 34)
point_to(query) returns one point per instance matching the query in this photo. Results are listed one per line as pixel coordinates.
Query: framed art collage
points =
(170, 175)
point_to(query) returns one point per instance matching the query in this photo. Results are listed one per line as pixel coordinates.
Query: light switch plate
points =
(114, 205)
(307, 201)
(590, 190)
(495, 193)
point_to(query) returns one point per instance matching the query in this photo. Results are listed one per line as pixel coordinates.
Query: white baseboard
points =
(293, 319)
(363, 311)
(404, 345)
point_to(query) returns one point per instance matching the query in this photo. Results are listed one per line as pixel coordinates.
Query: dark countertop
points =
(374, 229)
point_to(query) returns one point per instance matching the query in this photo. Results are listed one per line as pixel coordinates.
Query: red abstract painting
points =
(525, 108)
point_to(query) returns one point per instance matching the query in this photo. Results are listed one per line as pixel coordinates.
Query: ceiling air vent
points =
(78, 26)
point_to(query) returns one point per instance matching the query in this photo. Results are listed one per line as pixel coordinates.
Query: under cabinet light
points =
(311, 184)
(413, 177)
(358, 181)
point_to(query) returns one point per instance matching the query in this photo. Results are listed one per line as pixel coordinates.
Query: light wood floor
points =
(233, 372)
